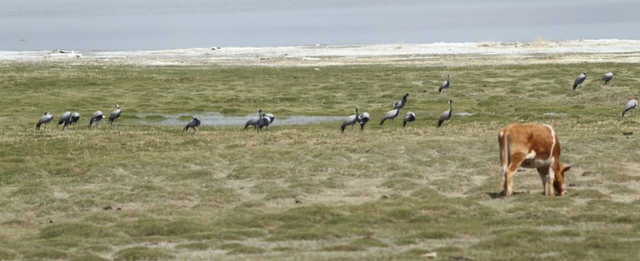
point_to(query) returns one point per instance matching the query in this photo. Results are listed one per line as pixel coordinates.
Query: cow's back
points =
(531, 137)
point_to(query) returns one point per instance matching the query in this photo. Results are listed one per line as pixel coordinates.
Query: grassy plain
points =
(308, 191)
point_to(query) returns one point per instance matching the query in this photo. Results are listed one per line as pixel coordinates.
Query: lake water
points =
(172, 24)
(217, 119)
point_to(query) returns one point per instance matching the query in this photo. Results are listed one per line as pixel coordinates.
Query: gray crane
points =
(632, 104)
(75, 117)
(392, 114)
(254, 121)
(444, 85)
(264, 121)
(115, 114)
(446, 116)
(579, 80)
(402, 102)
(65, 119)
(408, 118)
(607, 77)
(96, 117)
(44, 120)
(351, 120)
(195, 122)
(364, 118)
(268, 117)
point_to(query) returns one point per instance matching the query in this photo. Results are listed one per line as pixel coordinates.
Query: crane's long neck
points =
(450, 109)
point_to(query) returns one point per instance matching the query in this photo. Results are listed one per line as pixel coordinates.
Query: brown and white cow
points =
(531, 146)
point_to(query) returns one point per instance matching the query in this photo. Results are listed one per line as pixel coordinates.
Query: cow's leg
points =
(547, 181)
(515, 161)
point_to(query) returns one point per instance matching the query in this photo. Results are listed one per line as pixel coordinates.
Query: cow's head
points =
(558, 183)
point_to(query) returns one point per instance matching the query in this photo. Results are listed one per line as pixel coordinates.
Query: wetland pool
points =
(218, 119)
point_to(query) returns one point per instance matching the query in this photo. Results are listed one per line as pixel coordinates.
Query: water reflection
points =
(217, 119)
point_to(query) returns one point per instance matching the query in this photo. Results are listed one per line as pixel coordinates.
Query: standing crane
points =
(402, 102)
(44, 120)
(351, 120)
(65, 119)
(364, 118)
(267, 119)
(408, 118)
(96, 117)
(632, 104)
(392, 114)
(75, 117)
(444, 85)
(195, 122)
(115, 114)
(253, 121)
(607, 77)
(579, 80)
(446, 116)
(264, 121)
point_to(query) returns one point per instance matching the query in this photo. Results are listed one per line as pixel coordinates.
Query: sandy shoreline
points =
(434, 54)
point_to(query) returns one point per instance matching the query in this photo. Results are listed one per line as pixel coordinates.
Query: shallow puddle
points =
(217, 119)
(464, 114)
(554, 114)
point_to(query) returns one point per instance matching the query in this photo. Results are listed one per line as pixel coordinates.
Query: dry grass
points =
(540, 41)
(307, 191)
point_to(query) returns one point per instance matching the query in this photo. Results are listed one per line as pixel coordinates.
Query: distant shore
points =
(433, 54)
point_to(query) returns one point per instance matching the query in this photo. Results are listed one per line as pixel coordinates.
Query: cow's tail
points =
(504, 150)
(504, 155)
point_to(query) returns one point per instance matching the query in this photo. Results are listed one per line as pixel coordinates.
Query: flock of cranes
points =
(69, 118)
(392, 114)
(446, 116)
(265, 119)
(607, 77)
(580, 79)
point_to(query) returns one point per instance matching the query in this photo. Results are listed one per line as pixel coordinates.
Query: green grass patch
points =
(148, 192)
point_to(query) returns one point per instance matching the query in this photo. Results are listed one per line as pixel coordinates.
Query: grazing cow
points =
(531, 146)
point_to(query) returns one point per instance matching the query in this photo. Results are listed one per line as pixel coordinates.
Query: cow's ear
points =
(567, 168)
